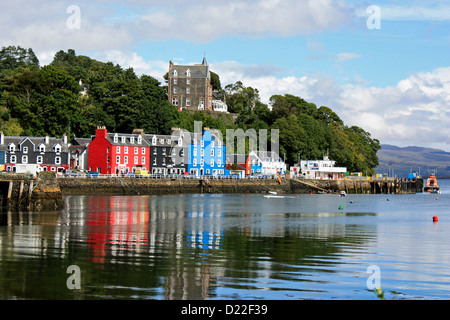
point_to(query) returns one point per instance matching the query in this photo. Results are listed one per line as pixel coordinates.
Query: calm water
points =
(230, 247)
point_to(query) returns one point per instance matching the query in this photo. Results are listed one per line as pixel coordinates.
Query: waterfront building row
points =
(112, 153)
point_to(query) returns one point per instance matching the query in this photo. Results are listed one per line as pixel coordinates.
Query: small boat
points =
(272, 192)
(432, 185)
(342, 193)
(273, 196)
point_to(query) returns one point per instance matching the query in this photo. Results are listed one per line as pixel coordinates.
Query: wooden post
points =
(8, 197)
(20, 190)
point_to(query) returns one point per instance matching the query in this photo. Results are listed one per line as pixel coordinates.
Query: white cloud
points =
(414, 112)
(205, 21)
(347, 56)
(154, 68)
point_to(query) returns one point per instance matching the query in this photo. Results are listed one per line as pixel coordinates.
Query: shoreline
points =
(148, 186)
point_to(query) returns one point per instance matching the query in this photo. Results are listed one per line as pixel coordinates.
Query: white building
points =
(318, 169)
(219, 106)
(271, 163)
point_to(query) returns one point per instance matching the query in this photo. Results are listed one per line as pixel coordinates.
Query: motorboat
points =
(432, 185)
(342, 193)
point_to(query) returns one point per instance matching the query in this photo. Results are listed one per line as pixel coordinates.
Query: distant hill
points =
(413, 159)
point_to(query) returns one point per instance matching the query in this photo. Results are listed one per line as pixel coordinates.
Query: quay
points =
(177, 185)
(45, 191)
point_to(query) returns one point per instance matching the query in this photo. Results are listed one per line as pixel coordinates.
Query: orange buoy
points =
(435, 218)
(437, 198)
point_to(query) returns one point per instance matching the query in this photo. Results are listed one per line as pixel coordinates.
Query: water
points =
(230, 247)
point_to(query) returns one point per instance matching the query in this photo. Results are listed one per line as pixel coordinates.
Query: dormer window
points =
(123, 139)
(57, 148)
(116, 138)
(42, 148)
(188, 73)
(12, 147)
(139, 140)
(175, 73)
(154, 140)
(131, 139)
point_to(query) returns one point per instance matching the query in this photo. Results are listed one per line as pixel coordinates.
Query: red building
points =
(117, 153)
(239, 162)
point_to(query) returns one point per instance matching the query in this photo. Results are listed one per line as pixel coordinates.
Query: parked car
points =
(70, 173)
(93, 174)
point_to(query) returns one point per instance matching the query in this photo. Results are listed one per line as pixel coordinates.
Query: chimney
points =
(65, 138)
(101, 132)
(2, 138)
(47, 139)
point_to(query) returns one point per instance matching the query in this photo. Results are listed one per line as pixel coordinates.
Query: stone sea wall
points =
(133, 186)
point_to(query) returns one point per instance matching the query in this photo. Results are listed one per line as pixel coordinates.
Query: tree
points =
(12, 57)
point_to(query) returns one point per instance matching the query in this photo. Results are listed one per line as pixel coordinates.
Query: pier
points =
(27, 192)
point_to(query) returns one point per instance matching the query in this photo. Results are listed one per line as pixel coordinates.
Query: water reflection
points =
(179, 247)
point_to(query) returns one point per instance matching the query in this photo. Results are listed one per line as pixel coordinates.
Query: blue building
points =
(206, 153)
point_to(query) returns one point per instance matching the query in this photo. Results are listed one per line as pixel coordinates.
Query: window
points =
(188, 102)
(41, 148)
(125, 160)
(188, 90)
(139, 140)
(175, 73)
(212, 152)
(195, 152)
(142, 160)
(212, 162)
(164, 161)
(25, 149)
(219, 152)
(154, 161)
(24, 159)
(123, 139)
(136, 160)
(164, 151)
(116, 138)
(154, 150)
(212, 143)
(143, 150)
(188, 73)
(219, 162)
(188, 81)
(194, 163)
(175, 81)
(202, 162)
(39, 160)
(118, 159)
(117, 149)
(57, 148)
(131, 139)
(57, 160)
(125, 150)
(154, 140)
(202, 143)
(174, 89)
(136, 150)
(202, 152)
(13, 159)
(175, 101)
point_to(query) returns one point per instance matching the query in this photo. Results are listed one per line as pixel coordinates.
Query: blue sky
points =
(393, 81)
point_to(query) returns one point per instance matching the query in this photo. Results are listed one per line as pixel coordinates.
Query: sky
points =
(381, 65)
